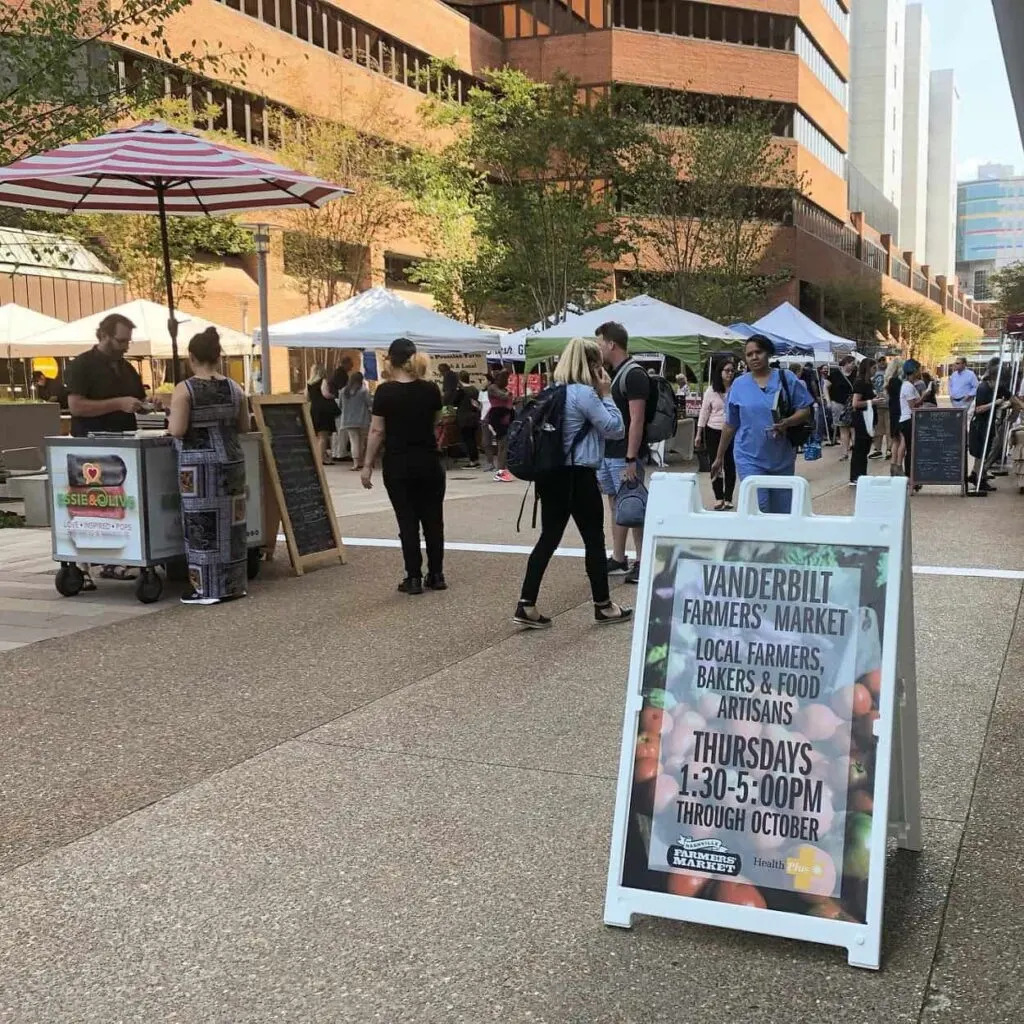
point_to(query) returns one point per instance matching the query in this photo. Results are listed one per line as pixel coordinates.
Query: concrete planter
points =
(25, 424)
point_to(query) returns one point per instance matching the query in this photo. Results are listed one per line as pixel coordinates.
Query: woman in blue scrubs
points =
(761, 446)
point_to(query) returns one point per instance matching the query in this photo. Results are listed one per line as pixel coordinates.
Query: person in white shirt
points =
(709, 430)
(909, 401)
(963, 384)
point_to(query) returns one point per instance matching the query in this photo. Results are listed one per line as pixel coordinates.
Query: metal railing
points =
(818, 223)
(900, 271)
(873, 255)
(920, 283)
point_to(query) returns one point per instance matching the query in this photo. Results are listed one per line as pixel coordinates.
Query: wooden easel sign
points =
(298, 482)
(770, 708)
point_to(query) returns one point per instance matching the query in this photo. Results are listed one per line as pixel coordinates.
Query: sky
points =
(964, 38)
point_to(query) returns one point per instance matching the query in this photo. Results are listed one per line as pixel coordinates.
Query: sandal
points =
(620, 614)
(719, 506)
(535, 621)
(727, 506)
(123, 573)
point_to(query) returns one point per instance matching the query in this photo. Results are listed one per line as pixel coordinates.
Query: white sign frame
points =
(880, 520)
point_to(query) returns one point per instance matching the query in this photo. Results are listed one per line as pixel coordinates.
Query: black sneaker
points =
(411, 585)
(633, 576)
(875, 455)
(191, 597)
(530, 622)
(616, 568)
(435, 581)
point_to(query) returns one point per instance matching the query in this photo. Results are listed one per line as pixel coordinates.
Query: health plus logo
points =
(812, 870)
(94, 488)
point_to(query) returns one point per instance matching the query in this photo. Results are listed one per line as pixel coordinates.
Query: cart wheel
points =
(254, 562)
(70, 580)
(149, 586)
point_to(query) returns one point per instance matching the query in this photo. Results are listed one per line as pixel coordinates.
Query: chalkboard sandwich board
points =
(298, 481)
(939, 447)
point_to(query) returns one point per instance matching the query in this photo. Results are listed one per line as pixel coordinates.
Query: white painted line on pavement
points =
(956, 570)
(524, 549)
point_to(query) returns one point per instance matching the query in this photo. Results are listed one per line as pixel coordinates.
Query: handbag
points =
(812, 448)
(631, 503)
(801, 433)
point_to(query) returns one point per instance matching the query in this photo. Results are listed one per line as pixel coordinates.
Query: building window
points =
(325, 26)
(715, 22)
(807, 133)
(819, 65)
(395, 271)
(839, 15)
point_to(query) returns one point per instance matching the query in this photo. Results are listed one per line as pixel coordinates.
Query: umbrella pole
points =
(165, 245)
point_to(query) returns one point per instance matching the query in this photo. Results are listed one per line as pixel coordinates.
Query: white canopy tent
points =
(151, 336)
(18, 325)
(375, 318)
(789, 323)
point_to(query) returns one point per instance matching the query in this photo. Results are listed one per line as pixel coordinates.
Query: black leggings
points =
(907, 430)
(723, 486)
(859, 456)
(417, 496)
(564, 493)
(469, 442)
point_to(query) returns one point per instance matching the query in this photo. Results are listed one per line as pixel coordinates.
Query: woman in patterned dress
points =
(208, 411)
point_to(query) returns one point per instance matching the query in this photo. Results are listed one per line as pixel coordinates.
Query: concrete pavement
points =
(334, 803)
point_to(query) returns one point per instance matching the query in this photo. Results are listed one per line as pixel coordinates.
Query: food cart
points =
(114, 500)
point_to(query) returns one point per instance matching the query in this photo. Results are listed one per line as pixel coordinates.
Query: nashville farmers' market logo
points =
(711, 855)
(94, 489)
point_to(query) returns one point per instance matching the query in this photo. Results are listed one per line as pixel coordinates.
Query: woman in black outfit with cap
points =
(405, 411)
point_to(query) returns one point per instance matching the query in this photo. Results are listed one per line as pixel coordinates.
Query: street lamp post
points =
(261, 236)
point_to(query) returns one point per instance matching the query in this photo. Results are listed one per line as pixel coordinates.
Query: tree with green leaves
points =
(58, 75)
(1008, 286)
(925, 333)
(856, 310)
(329, 251)
(542, 158)
(704, 193)
(462, 268)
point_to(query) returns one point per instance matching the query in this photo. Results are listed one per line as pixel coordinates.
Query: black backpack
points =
(662, 414)
(535, 437)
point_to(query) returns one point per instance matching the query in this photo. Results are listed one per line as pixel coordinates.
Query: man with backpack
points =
(631, 388)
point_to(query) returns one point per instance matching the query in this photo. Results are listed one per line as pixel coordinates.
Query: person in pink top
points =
(709, 429)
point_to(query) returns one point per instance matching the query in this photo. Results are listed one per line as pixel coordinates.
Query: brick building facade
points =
(322, 58)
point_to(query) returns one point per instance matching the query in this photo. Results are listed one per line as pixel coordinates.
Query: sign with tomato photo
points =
(754, 755)
(750, 775)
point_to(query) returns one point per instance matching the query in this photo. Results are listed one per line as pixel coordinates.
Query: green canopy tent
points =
(653, 326)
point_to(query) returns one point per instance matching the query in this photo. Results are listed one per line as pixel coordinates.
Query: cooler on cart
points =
(115, 502)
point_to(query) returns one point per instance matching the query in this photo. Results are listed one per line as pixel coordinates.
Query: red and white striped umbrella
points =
(154, 168)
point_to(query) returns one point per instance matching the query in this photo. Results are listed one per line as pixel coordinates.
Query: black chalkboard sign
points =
(295, 472)
(939, 447)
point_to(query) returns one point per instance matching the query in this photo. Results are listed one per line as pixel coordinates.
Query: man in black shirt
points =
(630, 388)
(981, 438)
(104, 390)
